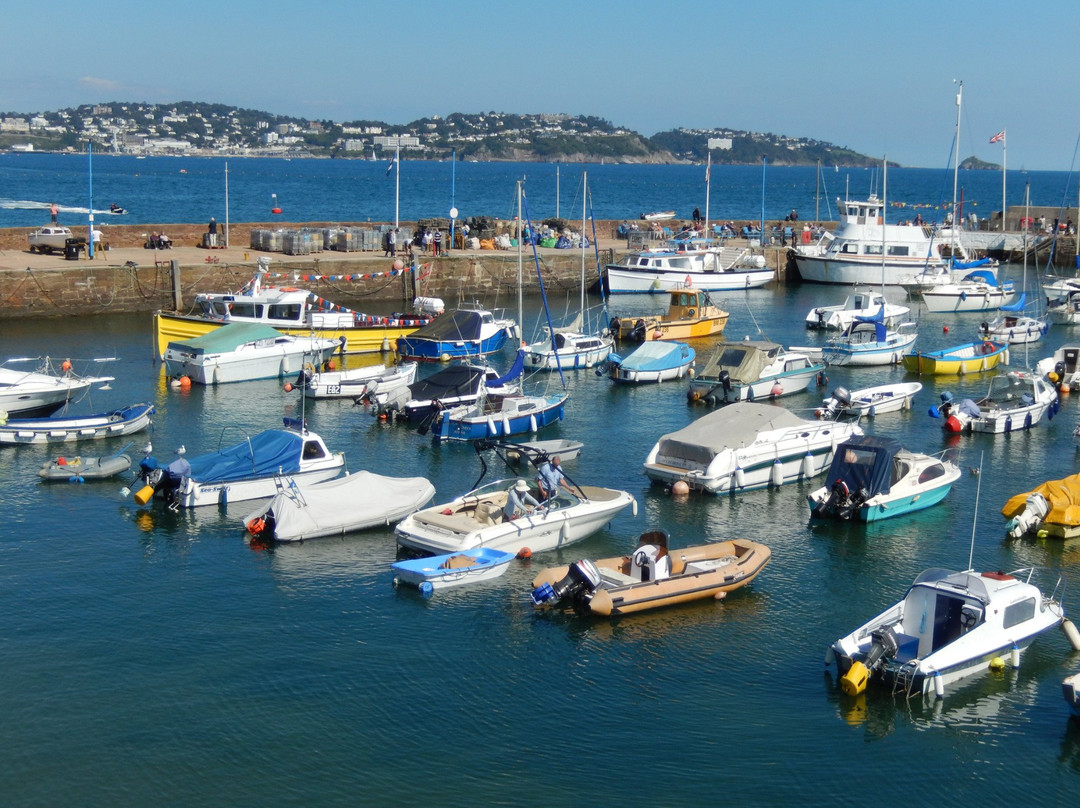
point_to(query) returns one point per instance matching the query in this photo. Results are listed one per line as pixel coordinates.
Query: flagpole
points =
(708, 186)
(397, 185)
(226, 203)
(90, 166)
(1004, 142)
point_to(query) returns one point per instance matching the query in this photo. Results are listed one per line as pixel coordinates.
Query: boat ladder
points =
(904, 680)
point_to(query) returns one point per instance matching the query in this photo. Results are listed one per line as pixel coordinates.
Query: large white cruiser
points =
(865, 250)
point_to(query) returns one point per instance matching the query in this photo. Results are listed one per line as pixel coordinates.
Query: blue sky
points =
(874, 77)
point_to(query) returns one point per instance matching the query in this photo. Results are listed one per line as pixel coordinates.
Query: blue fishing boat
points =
(873, 478)
(651, 362)
(500, 417)
(457, 333)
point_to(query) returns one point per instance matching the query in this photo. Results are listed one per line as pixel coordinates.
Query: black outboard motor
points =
(581, 581)
(638, 334)
(725, 383)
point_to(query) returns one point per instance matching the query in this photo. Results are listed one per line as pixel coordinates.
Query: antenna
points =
(975, 521)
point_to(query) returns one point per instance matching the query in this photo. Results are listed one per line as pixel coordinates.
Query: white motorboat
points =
(68, 429)
(357, 501)
(860, 303)
(873, 478)
(451, 387)
(1066, 309)
(248, 470)
(869, 401)
(240, 352)
(673, 266)
(976, 291)
(867, 343)
(41, 392)
(375, 383)
(1064, 364)
(50, 238)
(477, 519)
(948, 626)
(746, 446)
(746, 371)
(1015, 329)
(1016, 400)
(853, 252)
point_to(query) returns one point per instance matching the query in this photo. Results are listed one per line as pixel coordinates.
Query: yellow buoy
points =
(997, 664)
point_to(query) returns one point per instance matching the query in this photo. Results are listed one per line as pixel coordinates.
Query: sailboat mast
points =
(584, 187)
(956, 170)
(884, 209)
(521, 235)
(708, 185)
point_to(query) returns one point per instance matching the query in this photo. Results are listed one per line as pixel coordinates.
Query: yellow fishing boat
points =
(690, 314)
(289, 310)
(651, 576)
(1051, 509)
(972, 357)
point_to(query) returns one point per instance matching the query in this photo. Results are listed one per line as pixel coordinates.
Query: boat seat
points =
(487, 514)
(614, 577)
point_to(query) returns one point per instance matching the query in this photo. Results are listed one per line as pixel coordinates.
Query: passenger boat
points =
(1065, 310)
(949, 625)
(976, 291)
(49, 239)
(860, 303)
(650, 362)
(673, 266)
(457, 334)
(971, 357)
(691, 314)
(1070, 689)
(240, 352)
(853, 252)
(247, 470)
(746, 371)
(124, 421)
(867, 343)
(1051, 509)
(376, 382)
(429, 573)
(289, 310)
(41, 392)
(357, 501)
(651, 577)
(873, 478)
(869, 401)
(499, 417)
(1064, 364)
(80, 468)
(1016, 400)
(1013, 326)
(451, 387)
(746, 446)
(477, 518)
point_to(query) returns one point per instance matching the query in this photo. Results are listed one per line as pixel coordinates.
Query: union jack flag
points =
(999, 136)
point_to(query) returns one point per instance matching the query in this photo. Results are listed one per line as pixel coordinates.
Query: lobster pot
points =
(315, 239)
(328, 236)
(259, 237)
(371, 240)
(294, 243)
(342, 241)
(271, 241)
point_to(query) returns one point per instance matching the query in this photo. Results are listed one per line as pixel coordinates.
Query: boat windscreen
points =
(864, 462)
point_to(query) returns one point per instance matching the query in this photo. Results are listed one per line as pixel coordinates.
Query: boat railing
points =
(1026, 574)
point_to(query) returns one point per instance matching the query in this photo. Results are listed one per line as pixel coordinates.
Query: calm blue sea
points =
(156, 659)
(165, 190)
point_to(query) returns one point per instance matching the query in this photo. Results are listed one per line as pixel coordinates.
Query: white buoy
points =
(680, 489)
(776, 476)
(1069, 627)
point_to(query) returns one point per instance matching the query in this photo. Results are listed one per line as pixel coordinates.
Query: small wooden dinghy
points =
(651, 576)
(79, 468)
(452, 569)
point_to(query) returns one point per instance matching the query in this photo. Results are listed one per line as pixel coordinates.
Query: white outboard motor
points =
(842, 395)
(1035, 509)
(582, 580)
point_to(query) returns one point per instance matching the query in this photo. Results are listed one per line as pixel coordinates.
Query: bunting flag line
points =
(999, 136)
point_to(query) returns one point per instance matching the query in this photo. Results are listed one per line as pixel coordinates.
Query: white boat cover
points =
(732, 427)
(354, 502)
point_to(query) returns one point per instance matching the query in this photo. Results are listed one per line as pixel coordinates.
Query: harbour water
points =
(165, 190)
(156, 658)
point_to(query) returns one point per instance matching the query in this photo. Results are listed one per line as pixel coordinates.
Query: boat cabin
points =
(686, 304)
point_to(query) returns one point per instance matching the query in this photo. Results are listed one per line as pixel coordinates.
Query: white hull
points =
(850, 272)
(950, 297)
(197, 495)
(249, 363)
(784, 384)
(579, 351)
(871, 354)
(377, 380)
(872, 401)
(626, 281)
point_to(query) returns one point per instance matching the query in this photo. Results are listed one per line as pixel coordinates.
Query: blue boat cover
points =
(452, 326)
(864, 462)
(516, 370)
(261, 456)
(659, 356)
(972, 264)
(985, 275)
(877, 319)
(1018, 305)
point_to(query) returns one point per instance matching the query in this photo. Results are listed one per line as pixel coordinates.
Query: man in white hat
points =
(518, 500)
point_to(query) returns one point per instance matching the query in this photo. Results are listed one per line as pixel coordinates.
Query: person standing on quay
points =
(54, 210)
(437, 241)
(211, 231)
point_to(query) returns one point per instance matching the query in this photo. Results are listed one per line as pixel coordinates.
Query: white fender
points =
(939, 685)
(532, 423)
(1071, 632)
(740, 477)
(808, 465)
(776, 476)
(506, 425)
(494, 430)
(1014, 656)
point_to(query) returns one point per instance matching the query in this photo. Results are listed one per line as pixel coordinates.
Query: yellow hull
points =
(691, 330)
(360, 339)
(940, 366)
